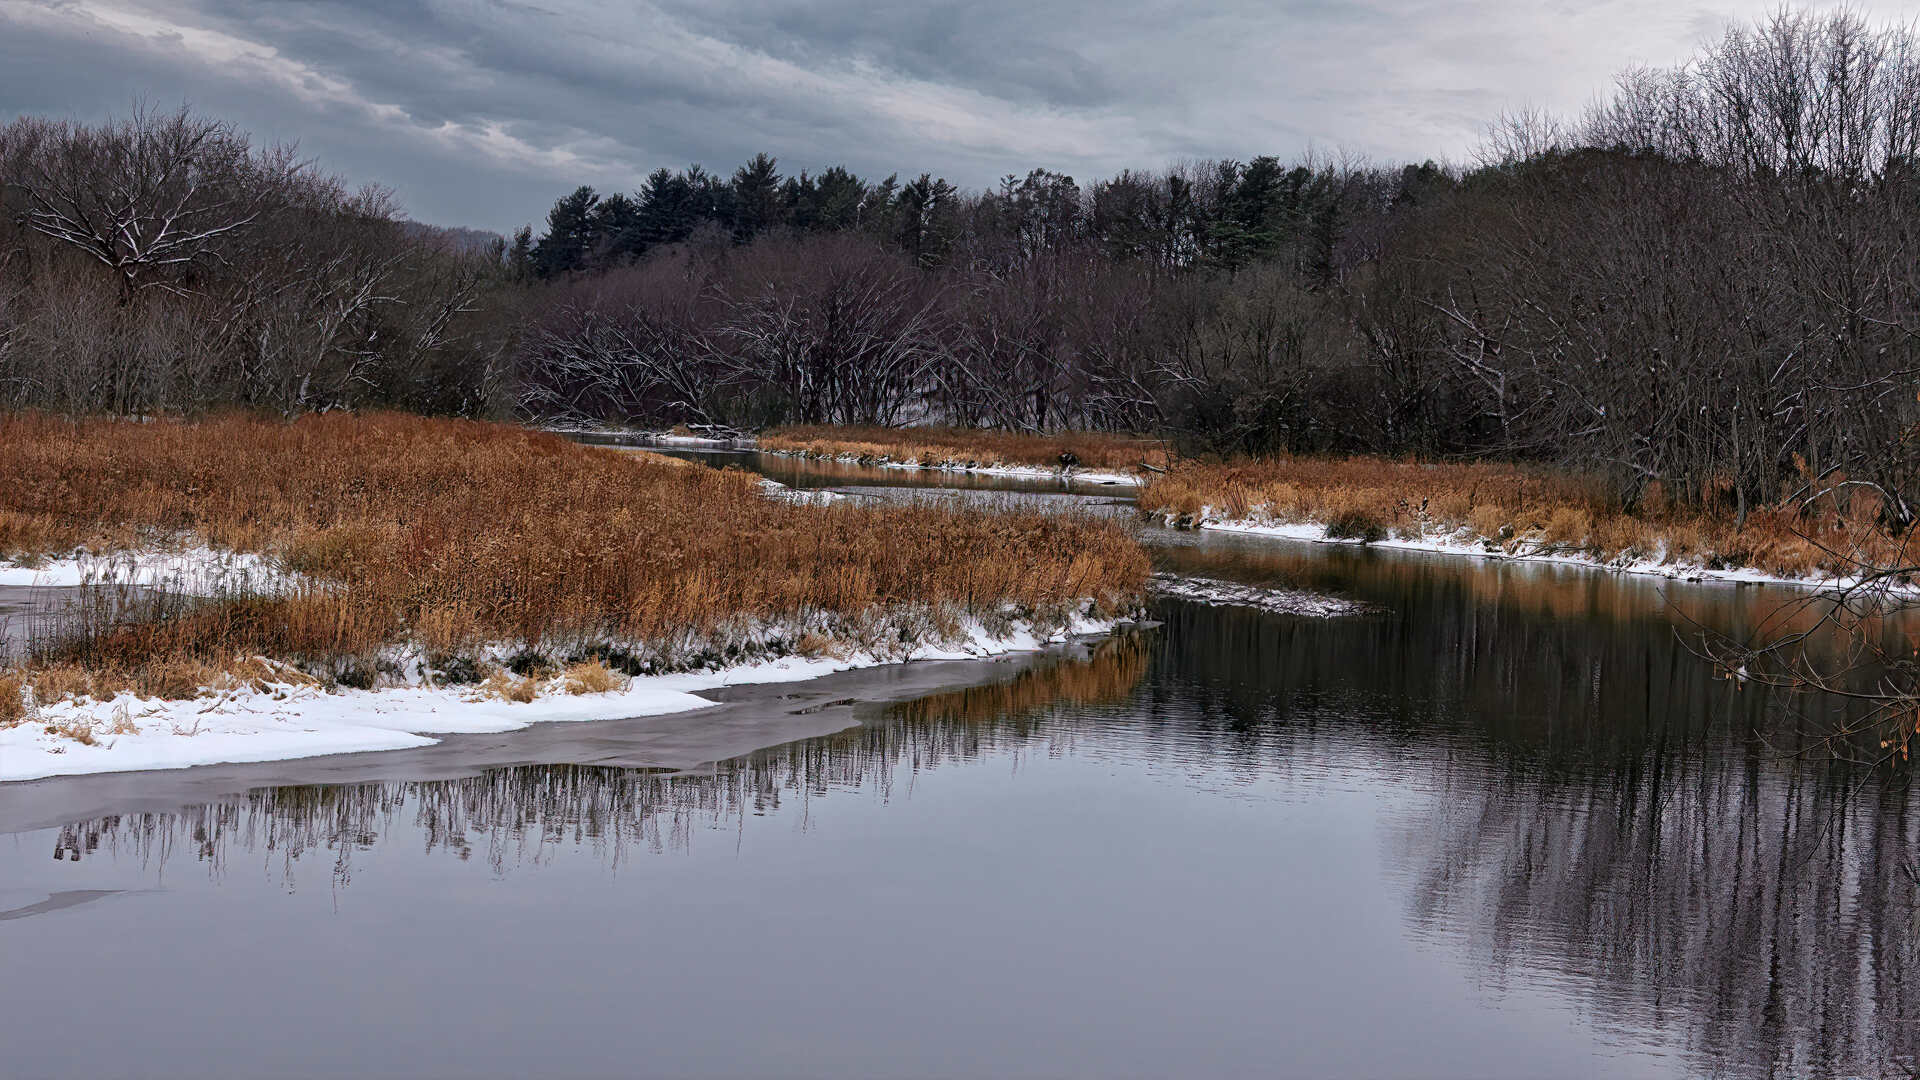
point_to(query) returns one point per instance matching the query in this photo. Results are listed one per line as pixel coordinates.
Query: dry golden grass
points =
(13, 702)
(452, 536)
(592, 677)
(813, 645)
(954, 447)
(509, 687)
(662, 459)
(123, 723)
(61, 681)
(79, 729)
(1522, 509)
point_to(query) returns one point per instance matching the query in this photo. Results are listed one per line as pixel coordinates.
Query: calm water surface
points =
(1505, 824)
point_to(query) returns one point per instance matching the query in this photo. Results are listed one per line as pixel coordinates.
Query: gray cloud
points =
(480, 113)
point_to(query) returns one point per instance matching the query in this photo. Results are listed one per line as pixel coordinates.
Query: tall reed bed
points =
(456, 538)
(1522, 509)
(944, 447)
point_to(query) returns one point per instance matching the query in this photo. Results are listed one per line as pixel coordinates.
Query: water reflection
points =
(1568, 800)
(1606, 816)
(1764, 915)
(524, 816)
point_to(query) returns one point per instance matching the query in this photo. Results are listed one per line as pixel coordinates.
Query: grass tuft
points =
(593, 677)
(508, 687)
(13, 700)
(1356, 523)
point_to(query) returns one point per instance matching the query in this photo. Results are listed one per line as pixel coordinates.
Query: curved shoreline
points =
(730, 721)
(286, 721)
(1314, 533)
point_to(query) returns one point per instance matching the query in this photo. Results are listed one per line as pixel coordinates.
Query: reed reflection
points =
(529, 815)
(1570, 795)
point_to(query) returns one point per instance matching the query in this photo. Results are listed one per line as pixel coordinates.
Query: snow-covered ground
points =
(196, 570)
(1465, 543)
(294, 720)
(774, 489)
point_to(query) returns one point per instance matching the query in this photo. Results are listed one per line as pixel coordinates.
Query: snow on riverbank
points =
(1020, 472)
(1465, 543)
(747, 442)
(774, 489)
(294, 721)
(197, 571)
(663, 438)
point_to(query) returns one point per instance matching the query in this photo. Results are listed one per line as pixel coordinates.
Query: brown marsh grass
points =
(944, 447)
(13, 700)
(455, 536)
(1521, 509)
(592, 677)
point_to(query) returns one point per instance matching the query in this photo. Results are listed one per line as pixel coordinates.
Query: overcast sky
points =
(480, 113)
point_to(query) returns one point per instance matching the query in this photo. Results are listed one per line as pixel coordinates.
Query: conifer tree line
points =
(1709, 279)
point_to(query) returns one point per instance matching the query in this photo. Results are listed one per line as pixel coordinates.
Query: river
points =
(1498, 820)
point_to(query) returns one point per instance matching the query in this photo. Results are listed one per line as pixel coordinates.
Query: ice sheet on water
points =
(774, 489)
(1280, 601)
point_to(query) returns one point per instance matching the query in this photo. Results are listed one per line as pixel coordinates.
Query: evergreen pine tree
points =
(520, 255)
(569, 236)
(756, 198)
(838, 195)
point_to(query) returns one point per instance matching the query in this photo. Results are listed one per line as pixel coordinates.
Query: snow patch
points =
(289, 720)
(1021, 472)
(196, 571)
(774, 489)
(664, 438)
(1467, 543)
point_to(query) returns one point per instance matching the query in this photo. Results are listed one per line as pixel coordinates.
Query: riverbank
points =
(283, 714)
(1088, 457)
(396, 555)
(1516, 512)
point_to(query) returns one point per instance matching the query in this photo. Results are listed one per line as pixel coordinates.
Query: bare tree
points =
(147, 197)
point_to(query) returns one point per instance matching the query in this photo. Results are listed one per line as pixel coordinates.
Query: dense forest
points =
(1709, 279)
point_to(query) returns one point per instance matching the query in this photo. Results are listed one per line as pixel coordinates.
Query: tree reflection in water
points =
(524, 815)
(1679, 852)
(1573, 797)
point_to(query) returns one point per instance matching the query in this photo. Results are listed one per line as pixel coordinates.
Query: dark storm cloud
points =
(480, 112)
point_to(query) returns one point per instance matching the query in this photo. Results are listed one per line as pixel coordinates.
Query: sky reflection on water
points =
(1504, 824)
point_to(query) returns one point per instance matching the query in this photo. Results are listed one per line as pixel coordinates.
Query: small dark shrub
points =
(528, 662)
(455, 670)
(615, 658)
(1358, 525)
(355, 674)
